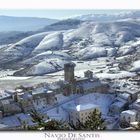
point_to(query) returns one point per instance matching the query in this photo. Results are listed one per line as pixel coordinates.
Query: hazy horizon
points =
(55, 14)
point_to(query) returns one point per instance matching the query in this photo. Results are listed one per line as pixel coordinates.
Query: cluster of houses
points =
(16, 105)
(126, 102)
(24, 99)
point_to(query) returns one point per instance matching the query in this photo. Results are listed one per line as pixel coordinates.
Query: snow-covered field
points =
(14, 78)
(4, 73)
(99, 68)
(121, 74)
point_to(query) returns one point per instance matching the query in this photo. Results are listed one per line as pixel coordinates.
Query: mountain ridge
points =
(47, 51)
(109, 16)
(11, 23)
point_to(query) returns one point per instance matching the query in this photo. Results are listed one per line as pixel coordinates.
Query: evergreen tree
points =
(46, 125)
(55, 125)
(93, 122)
(78, 126)
(36, 117)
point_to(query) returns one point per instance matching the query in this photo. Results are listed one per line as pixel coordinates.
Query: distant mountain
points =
(109, 17)
(8, 23)
(8, 37)
(47, 51)
(62, 25)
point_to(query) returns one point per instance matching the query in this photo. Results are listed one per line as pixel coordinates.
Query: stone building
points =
(43, 97)
(136, 105)
(9, 107)
(90, 86)
(124, 97)
(134, 94)
(117, 107)
(38, 98)
(80, 112)
(18, 121)
(88, 74)
(25, 101)
(128, 116)
(86, 84)
(69, 88)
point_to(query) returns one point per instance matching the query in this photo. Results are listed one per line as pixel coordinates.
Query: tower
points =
(69, 72)
(88, 74)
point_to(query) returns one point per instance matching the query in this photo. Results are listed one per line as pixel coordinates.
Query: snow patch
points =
(136, 66)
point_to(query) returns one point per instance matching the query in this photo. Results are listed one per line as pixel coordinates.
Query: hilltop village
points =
(71, 99)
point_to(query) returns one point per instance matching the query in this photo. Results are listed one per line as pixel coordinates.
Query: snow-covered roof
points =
(3, 126)
(4, 102)
(136, 104)
(26, 85)
(49, 91)
(39, 90)
(11, 121)
(134, 91)
(131, 112)
(10, 91)
(25, 117)
(85, 107)
(82, 107)
(15, 121)
(137, 101)
(80, 79)
(70, 64)
(119, 104)
(89, 84)
(24, 95)
(54, 86)
(129, 91)
(120, 99)
(124, 95)
(19, 90)
(4, 94)
(88, 71)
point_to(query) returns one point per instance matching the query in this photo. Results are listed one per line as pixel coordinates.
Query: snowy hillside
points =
(12, 37)
(43, 67)
(136, 66)
(52, 41)
(20, 49)
(48, 66)
(86, 41)
(109, 16)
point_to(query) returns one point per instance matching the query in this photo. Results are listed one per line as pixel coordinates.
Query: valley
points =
(69, 68)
